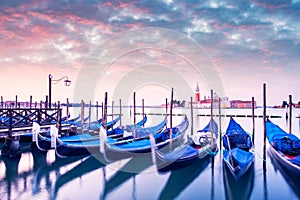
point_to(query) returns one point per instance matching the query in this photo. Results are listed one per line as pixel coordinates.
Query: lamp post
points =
(52, 81)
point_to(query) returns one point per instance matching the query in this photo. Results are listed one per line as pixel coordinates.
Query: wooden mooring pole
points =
(102, 111)
(211, 116)
(67, 111)
(167, 112)
(171, 116)
(90, 113)
(59, 114)
(46, 102)
(82, 115)
(97, 110)
(290, 113)
(16, 103)
(30, 101)
(130, 114)
(220, 124)
(134, 116)
(104, 119)
(264, 121)
(143, 110)
(253, 121)
(192, 116)
(120, 102)
(112, 112)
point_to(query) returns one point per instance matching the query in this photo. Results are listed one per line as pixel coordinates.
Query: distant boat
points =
(285, 147)
(203, 144)
(238, 154)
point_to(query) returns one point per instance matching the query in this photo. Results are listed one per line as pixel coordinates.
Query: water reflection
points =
(39, 161)
(133, 167)
(240, 189)
(265, 182)
(292, 179)
(212, 194)
(88, 165)
(44, 176)
(14, 180)
(45, 169)
(11, 173)
(181, 178)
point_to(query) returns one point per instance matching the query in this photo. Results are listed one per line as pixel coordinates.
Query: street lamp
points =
(51, 81)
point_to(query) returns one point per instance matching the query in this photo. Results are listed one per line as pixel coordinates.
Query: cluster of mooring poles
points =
(16, 118)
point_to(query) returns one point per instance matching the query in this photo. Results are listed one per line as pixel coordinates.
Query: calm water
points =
(43, 176)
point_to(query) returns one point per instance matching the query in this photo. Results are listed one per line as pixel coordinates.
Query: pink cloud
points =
(270, 6)
(272, 69)
(242, 27)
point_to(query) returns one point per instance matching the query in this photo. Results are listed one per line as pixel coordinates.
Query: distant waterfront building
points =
(206, 102)
(225, 103)
(241, 104)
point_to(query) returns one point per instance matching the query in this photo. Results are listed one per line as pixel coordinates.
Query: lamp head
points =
(67, 82)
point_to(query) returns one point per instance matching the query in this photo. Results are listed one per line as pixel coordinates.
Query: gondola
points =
(27, 137)
(87, 136)
(291, 178)
(78, 122)
(201, 145)
(238, 152)
(121, 130)
(43, 142)
(128, 148)
(64, 119)
(65, 148)
(284, 147)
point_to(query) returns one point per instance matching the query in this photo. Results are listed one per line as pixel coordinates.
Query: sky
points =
(148, 47)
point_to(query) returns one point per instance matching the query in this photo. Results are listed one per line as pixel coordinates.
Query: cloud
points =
(251, 34)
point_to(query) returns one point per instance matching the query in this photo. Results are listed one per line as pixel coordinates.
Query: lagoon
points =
(39, 175)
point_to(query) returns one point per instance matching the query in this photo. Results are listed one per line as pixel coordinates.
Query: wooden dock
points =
(15, 121)
(24, 130)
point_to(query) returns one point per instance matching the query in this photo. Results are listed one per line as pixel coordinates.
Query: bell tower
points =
(197, 94)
